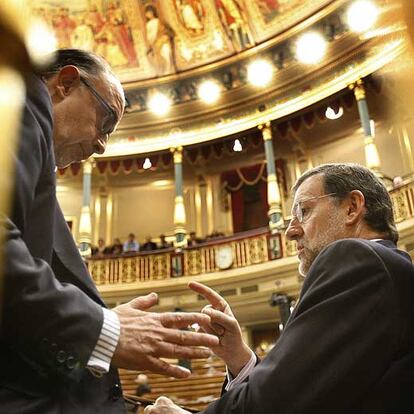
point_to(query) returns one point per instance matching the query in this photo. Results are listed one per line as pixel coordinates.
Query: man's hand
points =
(231, 348)
(147, 336)
(164, 405)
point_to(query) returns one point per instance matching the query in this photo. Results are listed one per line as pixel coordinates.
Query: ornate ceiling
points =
(144, 39)
(172, 46)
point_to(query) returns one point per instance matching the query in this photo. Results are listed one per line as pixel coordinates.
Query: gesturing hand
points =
(164, 405)
(231, 348)
(147, 336)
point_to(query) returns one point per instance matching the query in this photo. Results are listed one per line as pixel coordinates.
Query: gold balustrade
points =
(403, 201)
(248, 248)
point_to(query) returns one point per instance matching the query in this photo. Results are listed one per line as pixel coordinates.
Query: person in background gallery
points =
(149, 245)
(164, 244)
(131, 245)
(117, 248)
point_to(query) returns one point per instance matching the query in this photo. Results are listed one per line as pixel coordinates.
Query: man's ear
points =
(355, 204)
(67, 79)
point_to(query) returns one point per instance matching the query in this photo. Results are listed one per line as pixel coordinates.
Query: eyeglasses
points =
(302, 213)
(110, 119)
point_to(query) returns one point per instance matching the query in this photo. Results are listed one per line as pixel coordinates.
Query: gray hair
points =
(343, 178)
(88, 63)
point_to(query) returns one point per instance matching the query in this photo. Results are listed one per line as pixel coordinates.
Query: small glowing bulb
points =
(330, 113)
(260, 73)
(310, 48)
(209, 91)
(147, 164)
(237, 147)
(159, 104)
(362, 15)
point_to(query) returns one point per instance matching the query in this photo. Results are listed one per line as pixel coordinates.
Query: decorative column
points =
(179, 209)
(273, 194)
(85, 222)
(371, 153)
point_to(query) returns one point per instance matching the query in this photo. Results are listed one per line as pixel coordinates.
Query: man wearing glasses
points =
(59, 345)
(348, 346)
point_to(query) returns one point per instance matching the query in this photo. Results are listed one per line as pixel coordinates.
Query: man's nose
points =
(294, 229)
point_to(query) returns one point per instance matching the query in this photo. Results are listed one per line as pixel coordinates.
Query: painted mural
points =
(150, 38)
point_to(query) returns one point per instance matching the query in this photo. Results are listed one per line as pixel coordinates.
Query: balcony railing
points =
(403, 201)
(241, 250)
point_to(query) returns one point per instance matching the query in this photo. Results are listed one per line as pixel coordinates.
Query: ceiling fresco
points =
(144, 39)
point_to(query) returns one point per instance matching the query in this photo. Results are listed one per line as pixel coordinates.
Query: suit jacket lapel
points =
(67, 262)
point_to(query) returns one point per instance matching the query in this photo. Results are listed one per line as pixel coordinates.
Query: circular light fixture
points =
(159, 104)
(310, 48)
(362, 15)
(331, 114)
(209, 91)
(260, 72)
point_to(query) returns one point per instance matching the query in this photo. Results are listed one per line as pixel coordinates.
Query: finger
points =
(220, 319)
(144, 302)
(148, 409)
(211, 295)
(213, 329)
(171, 350)
(183, 319)
(189, 338)
(164, 401)
(159, 366)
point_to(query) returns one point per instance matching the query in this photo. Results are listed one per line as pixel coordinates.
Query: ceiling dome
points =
(144, 39)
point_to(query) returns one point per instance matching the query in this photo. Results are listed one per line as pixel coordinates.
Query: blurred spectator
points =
(143, 386)
(193, 240)
(101, 249)
(163, 242)
(131, 245)
(117, 247)
(149, 245)
(397, 181)
(215, 234)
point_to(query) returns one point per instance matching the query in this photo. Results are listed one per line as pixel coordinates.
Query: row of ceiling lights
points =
(330, 113)
(310, 49)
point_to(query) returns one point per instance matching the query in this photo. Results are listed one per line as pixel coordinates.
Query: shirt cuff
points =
(243, 374)
(100, 359)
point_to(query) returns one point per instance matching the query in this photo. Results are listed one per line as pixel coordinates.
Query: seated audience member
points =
(143, 386)
(397, 181)
(131, 245)
(348, 346)
(117, 248)
(101, 249)
(193, 240)
(214, 235)
(163, 242)
(149, 245)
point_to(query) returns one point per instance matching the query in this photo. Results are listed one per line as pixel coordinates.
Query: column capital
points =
(266, 131)
(178, 154)
(88, 165)
(359, 89)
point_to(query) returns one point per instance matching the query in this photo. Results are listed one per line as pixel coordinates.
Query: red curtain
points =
(237, 209)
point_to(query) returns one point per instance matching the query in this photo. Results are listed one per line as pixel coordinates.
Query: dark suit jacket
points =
(52, 311)
(348, 346)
